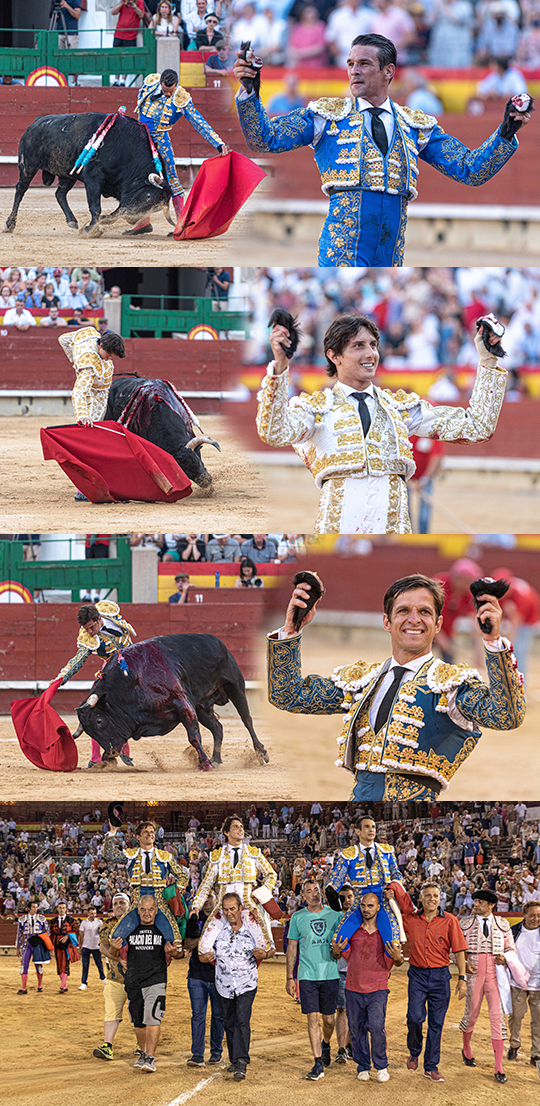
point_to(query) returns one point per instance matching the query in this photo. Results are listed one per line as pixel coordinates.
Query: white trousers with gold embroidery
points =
(89, 396)
(363, 505)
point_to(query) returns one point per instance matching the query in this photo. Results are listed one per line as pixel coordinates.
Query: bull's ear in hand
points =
(317, 589)
(115, 814)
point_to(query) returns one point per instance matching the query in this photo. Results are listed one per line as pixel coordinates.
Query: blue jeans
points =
(428, 987)
(199, 993)
(366, 1015)
(85, 956)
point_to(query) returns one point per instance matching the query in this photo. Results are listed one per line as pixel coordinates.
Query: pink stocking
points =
(63, 980)
(467, 1045)
(498, 1048)
(24, 981)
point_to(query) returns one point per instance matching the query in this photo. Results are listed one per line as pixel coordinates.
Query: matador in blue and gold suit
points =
(154, 882)
(433, 724)
(352, 868)
(369, 191)
(159, 112)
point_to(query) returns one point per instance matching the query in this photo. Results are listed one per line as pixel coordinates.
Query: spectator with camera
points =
(248, 575)
(130, 13)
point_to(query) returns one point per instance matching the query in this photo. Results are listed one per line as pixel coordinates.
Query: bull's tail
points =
(47, 177)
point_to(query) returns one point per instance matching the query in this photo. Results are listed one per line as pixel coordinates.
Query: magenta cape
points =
(108, 463)
(44, 738)
(221, 187)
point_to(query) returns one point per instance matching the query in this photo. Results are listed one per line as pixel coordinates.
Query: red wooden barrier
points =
(37, 641)
(516, 434)
(23, 105)
(189, 364)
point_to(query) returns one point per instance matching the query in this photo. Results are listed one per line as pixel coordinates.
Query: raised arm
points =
(473, 167)
(501, 705)
(286, 688)
(111, 850)
(478, 421)
(287, 132)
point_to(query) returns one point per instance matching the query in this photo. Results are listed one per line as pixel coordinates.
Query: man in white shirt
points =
(53, 318)
(411, 721)
(349, 19)
(89, 930)
(18, 316)
(354, 437)
(526, 936)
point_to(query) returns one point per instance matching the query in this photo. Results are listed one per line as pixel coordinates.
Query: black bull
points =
(122, 167)
(151, 409)
(150, 688)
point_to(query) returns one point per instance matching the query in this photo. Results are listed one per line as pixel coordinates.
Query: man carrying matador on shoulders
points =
(148, 870)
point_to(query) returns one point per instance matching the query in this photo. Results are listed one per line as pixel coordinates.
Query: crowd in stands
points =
(454, 34)
(52, 295)
(463, 846)
(426, 316)
(223, 548)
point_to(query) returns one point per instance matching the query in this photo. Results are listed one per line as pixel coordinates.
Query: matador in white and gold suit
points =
(363, 476)
(93, 373)
(238, 869)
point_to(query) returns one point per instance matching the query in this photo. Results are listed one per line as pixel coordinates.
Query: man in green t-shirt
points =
(310, 934)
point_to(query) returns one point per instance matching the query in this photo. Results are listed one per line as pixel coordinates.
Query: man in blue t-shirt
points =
(310, 934)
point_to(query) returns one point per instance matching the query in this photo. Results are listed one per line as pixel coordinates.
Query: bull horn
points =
(91, 701)
(167, 214)
(156, 180)
(201, 440)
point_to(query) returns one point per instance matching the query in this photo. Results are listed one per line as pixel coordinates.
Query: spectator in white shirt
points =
(74, 298)
(18, 316)
(349, 19)
(89, 935)
(53, 318)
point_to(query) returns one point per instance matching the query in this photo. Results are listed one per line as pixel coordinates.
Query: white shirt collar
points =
(489, 920)
(348, 391)
(413, 666)
(362, 104)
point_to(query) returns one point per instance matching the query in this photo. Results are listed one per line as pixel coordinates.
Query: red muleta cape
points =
(109, 464)
(44, 738)
(220, 189)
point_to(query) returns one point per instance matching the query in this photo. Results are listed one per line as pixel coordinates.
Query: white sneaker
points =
(382, 1075)
(364, 1076)
(83, 987)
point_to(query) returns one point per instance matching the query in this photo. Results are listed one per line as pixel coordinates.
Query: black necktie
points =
(386, 705)
(365, 416)
(369, 859)
(147, 864)
(486, 929)
(235, 862)
(378, 129)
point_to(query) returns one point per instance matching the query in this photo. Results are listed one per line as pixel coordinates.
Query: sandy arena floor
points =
(501, 766)
(35, 495)
(41, 226)
(474, 498)
(165, 768)
(47, 1043)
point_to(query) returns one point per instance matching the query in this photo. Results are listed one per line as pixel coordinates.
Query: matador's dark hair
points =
(88, 613)
(341, 332)
(384, 46)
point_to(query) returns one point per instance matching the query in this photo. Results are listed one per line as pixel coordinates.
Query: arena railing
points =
(182, 314)
(40, 49)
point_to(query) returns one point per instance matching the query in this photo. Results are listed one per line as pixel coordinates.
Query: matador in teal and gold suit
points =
(153, 882)
(433, 724)
(369, 190)
(159, 111)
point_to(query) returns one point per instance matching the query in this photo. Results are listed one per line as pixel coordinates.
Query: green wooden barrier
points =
(112, 572)
(191, 311)
(103, 61)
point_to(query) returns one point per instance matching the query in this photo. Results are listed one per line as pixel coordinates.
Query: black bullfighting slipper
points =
(468, 1060)
(500, 1077)
(137, 230)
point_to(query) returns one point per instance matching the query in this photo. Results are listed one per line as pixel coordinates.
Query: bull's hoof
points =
(216, 762)
(8, 229)
(137, 230)
(90, 231)
(99, 764)
(205, 766)
(73, 224)
(263, 757)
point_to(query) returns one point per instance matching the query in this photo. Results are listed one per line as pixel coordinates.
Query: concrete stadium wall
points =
(25, 104)
(38, 640)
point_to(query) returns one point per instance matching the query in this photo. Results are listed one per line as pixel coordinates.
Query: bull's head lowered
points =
(155, 195)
